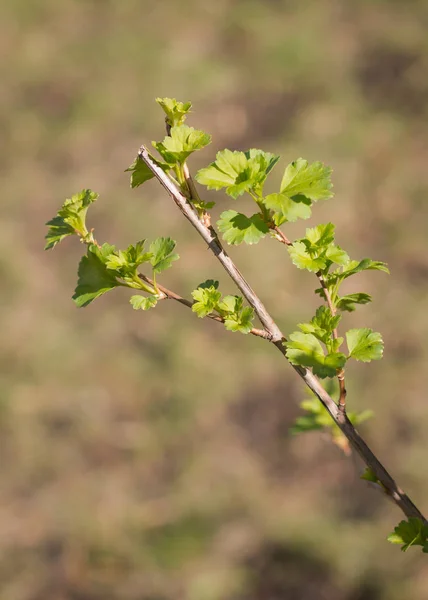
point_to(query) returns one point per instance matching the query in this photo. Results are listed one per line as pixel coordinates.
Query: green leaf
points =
(236, 318)
(368, 475)
(316, 251)
(94, 277)
(142, 302)
(348, 302)
(320, 236)
(310, 180)
(364, 344)
(288, 209)
(238, 228)
(412, 532)
(175, 111)
(162, 257)
(237, 171)
(126, 262)
(141, 173)
(70, 219)
(355, 266)
(305, 350)
(265, 160)
(230, 305)
(206, 298)
(242, 322)
(337, 255)
(322, 326)
(317, 418)
(182, 141)
(303, 259)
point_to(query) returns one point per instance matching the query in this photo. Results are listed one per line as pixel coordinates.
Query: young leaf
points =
(241, 321)
(317, 251)
(368, 475)
(304, 259)
(238, 228)
(320, 237)
(142, 302)
(70, 219)
(305, 350)
(182, 141)
(322, 326)
(238, 172)
(412, 532)
(312, 181)
(161, 251)
(94, 277)
(206, 298)
(141, 173)
(364, 344)
(337, 255)
(347, 303)
(175, 111)
(126, 262)
(316, 418)
(236, 318)
(288, 209)
(355, 266)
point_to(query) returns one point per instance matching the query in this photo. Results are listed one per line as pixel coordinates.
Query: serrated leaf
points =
(265, 160)
(364, 344)
(303, 259)
(231, 304)
(337, 255)
(142, 302)
(162, 257)
(322, 326)
(320, 236)
(140, 172)
(241, 320)
(70, 219)
(348, 302)
(206, 298)
(126, 262)
(310, 180)
(175, 111)
(209, 283)
(288, 209)
(367, 264)
(237, 171)
(410, 533)
(238, 228)
(305, 350)
(94, 279)
(182, 141)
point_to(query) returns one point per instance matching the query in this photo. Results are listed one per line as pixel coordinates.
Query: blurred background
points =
(147, 456)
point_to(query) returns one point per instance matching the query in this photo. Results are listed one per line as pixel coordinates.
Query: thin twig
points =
(277, 338)
(168, 294)
(280, 235)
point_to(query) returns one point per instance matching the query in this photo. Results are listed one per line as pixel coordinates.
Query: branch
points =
(277, 338)
(168, 294)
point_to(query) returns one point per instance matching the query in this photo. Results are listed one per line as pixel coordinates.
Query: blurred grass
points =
(147, 456)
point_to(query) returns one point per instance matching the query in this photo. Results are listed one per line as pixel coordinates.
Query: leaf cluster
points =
(104, 268)
(316, 419)
(70, 219)
(208, 300)
(240, 172)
